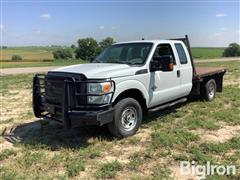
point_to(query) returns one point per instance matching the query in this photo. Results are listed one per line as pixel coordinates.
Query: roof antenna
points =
(143, 39)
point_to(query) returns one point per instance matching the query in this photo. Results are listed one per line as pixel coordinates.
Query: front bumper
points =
(82, 118)
(64, 112)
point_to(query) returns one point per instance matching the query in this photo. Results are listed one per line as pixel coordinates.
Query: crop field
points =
(207, 53)
(42, 56)
(28, 53)
(32, 57)
(195, 131)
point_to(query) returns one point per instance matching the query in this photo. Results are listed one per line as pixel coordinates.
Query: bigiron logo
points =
(201, 171)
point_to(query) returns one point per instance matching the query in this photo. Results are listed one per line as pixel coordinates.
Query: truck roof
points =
(150, 41)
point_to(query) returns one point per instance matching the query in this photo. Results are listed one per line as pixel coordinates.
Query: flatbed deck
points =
(208, 71)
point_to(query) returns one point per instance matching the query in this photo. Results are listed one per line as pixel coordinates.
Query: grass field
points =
(41, 64)
(197, 130)
(42, 56)
(28, 53)
(207, 53)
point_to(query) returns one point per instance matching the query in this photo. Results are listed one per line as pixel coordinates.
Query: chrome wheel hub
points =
(211, 90)
(129, 118)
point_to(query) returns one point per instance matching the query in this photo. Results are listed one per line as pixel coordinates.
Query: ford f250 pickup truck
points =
(124, 81)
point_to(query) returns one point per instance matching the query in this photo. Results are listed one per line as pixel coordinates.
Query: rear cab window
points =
(181, 53)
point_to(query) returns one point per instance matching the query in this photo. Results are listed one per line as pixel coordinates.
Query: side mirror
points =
(162, 63)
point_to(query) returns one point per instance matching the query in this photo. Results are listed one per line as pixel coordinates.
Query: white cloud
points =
(1, 27)
(223, 29)
(221, 15)
(101, 27)
(218, 34)
(113, 28)
(45, 16)
(36, 31)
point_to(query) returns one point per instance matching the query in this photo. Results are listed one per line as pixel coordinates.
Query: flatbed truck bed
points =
(208, 71)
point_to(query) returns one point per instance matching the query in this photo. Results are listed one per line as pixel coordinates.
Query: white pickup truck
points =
(122, 83)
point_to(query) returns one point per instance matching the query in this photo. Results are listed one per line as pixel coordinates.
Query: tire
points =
(127, 118)
(209, 90)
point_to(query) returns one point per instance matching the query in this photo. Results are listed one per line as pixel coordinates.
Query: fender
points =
(130, 84)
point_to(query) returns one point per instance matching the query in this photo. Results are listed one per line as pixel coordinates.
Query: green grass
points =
(6, 153)
(28, 159)
(28, 53)
(172, 138)
(74, 167)
(33, 57)
(41, 64)
(109, 170)
(18, 82)
(161, 172)
(207, 53)
(203, 123)
(136, 160)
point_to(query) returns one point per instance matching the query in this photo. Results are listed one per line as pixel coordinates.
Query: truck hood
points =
(100, 70)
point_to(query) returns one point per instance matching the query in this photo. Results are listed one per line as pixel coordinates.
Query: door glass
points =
(181, 53)
(163, 50)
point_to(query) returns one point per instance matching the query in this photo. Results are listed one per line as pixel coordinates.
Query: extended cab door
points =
(164, 86)
(185, 68)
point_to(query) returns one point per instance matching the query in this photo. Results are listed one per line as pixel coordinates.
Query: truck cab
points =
(120, 85)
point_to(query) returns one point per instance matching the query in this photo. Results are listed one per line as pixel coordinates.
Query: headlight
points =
(98, 88)
(104, 88)
(103, 99)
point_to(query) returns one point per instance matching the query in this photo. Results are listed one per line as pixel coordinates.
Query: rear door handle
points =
(178, 73)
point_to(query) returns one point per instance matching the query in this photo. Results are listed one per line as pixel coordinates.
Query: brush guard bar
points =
(69, 116)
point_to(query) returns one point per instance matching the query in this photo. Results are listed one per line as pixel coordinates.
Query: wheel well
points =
(135, 94)
(218, 79)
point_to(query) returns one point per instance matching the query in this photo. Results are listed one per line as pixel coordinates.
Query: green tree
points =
(62, 54)
(3, 47)
(105, 43)
(73, 46)
(16, 57)
(87, 49)
(232, 50)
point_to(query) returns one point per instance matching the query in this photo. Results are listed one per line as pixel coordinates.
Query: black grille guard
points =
(39, 103)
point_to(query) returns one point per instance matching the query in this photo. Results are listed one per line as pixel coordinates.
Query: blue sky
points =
(208, 23)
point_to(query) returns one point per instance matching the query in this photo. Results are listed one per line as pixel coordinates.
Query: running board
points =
(168, 105)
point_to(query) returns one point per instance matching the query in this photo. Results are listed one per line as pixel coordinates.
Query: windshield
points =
(128, 53)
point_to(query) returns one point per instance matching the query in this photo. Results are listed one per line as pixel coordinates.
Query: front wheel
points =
(127, 118)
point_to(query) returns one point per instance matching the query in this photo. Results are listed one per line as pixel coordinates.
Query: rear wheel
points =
(127, 118)
(209, 90)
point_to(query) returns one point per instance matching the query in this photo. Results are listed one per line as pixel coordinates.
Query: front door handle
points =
(178, 73)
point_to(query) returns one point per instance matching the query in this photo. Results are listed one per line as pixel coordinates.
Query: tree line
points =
(86, 49)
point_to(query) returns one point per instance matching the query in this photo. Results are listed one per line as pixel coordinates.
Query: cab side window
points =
(181, 53)
(163, 50)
